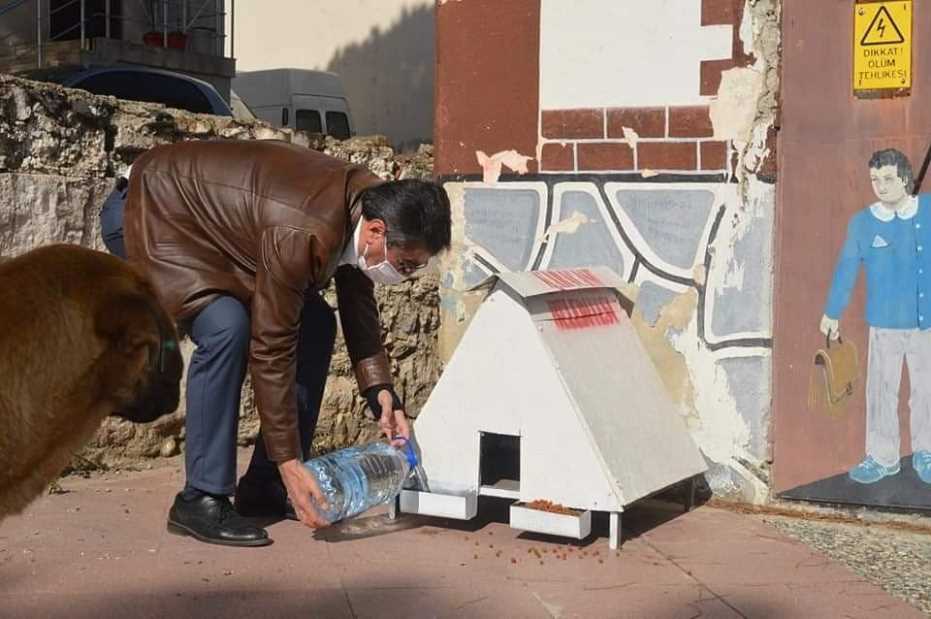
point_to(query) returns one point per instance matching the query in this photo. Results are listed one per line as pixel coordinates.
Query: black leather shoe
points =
(213, 520)
(257, 498)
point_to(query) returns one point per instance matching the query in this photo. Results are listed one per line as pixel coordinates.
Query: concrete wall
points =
(382, 49)
(638, 137)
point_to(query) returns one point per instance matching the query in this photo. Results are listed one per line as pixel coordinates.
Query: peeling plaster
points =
(452, 263)
(742, 271)
(734, 275)
(734, 110)
(767, 44)
(671, 364)
(631, 137)
(743, 112)
(569, 225)
(457, 305)
(647, 173)
(722, 434)
(736, 481)
(757, 199)
(491, 166)
(758, 151)
(700, 388)
(746, 31)
(745, 107)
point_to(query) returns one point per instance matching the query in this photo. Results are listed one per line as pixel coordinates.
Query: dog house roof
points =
(528, 284)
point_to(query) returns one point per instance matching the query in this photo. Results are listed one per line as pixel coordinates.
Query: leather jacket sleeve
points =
(285, 268)
(358, 315)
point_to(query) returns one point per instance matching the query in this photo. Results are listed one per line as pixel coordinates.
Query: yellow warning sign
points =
(882, 46)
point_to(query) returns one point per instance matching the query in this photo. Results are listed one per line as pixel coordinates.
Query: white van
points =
(301, 99)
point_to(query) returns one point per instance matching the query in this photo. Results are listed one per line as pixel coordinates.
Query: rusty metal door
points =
(826, 140)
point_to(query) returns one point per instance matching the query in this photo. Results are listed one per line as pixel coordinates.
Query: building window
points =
(65, 19)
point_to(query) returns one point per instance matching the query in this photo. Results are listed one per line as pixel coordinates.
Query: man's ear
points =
(375, 227)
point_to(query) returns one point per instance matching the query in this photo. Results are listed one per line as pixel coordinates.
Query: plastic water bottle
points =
(357, 479)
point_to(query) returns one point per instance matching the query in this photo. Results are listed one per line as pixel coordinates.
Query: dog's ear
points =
(142, 372)
(125, 317)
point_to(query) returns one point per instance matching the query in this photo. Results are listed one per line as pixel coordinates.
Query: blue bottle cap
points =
(408, 451)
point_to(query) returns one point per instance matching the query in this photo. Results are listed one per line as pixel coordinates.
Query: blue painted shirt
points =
(895, 251)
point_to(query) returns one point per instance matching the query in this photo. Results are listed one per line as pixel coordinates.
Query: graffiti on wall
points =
(697, 261)
(889, 242)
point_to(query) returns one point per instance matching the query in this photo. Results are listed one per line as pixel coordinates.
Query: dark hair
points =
(414, 211)
(891, 156)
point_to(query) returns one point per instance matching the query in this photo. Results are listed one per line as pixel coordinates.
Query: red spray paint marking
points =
(582, 312)
(568, 280)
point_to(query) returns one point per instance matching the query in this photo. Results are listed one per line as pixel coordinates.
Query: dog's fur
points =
(80, 335)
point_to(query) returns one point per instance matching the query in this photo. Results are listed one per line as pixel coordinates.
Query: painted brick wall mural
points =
(646, 140)
(637, 136)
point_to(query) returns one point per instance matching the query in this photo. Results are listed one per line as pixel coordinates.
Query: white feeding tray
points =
(459, 506)
(576, 524)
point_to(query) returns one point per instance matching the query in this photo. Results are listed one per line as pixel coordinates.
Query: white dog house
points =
(550, 396)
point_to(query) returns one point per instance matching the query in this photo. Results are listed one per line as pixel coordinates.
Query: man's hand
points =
(830, 327)
(302, 485)
(392, 421)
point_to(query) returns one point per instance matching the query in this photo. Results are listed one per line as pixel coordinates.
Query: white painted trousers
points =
(888, 348)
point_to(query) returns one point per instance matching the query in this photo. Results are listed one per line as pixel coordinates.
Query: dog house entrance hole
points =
(500, 465)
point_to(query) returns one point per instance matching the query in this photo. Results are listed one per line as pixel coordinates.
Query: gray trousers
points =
(888, 349)
(221, 332)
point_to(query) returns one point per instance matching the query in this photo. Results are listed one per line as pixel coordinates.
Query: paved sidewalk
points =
(101, 550)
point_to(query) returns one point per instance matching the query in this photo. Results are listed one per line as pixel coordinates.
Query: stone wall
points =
(59, 151)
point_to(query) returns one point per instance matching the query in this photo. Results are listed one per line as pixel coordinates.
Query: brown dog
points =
(82, 336)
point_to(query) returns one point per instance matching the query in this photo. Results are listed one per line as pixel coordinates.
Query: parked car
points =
(312, 101)
(241, 111)
(137, 83)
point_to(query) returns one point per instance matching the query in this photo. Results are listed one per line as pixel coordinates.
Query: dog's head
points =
(158, 390)
(144, 380)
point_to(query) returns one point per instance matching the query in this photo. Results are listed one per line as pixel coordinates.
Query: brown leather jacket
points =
(265, 222)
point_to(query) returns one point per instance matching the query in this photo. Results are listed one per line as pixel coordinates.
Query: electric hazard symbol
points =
(882, 30)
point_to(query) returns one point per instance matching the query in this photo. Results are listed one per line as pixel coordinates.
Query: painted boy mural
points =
(892, 240)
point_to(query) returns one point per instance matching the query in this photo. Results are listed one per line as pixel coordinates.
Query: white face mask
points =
(381, 273)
